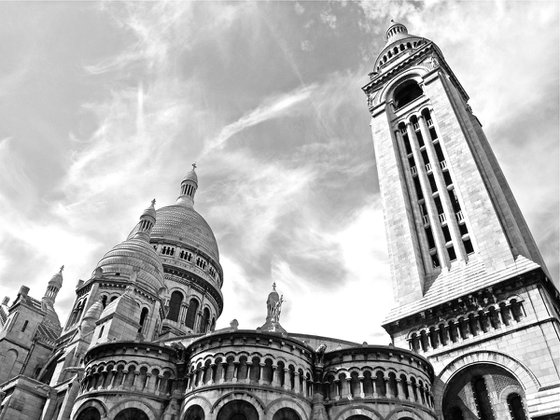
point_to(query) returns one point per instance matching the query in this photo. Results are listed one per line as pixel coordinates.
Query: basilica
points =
(475, 330)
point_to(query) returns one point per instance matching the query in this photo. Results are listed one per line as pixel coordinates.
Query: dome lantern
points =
(54, 286)
(189, 185)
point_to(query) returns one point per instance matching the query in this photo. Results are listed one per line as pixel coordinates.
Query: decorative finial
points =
(392, 21)
(194, 166)
(154, 202)
(274, 286)
(61, 269)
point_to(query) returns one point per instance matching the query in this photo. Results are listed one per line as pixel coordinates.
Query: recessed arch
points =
(526, 378)
(131, 414)
(194, 412)
(360, 410)
(175, 303)
(238, 410)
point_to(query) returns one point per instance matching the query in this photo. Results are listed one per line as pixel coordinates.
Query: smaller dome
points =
(134, 256)
(94, 311)
(150, 211)
(191, 176)
(56, 280)
(395, 32)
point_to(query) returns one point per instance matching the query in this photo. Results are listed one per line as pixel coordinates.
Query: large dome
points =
(134, 255)
(181, 223)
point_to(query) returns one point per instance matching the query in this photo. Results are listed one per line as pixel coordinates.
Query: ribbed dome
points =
(180, 222)
(135, 253)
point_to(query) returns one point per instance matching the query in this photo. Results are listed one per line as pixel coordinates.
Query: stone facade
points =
(475, 332)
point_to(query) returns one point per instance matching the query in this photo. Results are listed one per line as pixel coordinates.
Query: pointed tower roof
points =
(57, 279)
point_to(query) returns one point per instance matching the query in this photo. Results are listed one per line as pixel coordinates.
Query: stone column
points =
(428, 198)
(275, 376)
(297, 383)
(261, 366)
(400, 388)
(213, 372)
(362, 393)
(410, 391)
(388, 390)
(337, 388)
(287, 384)
(235, 371)
(451, 218)
(224, 372)
(374, 382)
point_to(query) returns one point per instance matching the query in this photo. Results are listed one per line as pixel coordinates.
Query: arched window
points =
(143, 316)
(406, 93)
(286, 414)
(238, 410)
(482, 399)
(358, 417)
(175, 306)
(515, 405)
(205, 320)
(90, 413)
(194, 412)
(132, 414)
(191, 313)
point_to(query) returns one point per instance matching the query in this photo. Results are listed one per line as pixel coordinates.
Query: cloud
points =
(275, 107)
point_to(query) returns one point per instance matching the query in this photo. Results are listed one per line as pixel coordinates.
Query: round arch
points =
(204, 403)
(194, 412)
(131, 414)
(281, 403)
(98, 405)
(363, 410)
(286, 413)
(469, 390)
(244, 396)
(90, 413)
(238, 410)
(523, 375)
(414, 73)
(140, 406)
(403, 414)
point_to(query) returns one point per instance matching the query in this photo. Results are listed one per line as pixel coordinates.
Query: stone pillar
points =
(235, 371)
(400, 388)
(297, 383)
(213, 372)
(287, 384)
(388, 390)
(337, 388)
(275, 376)
(224, 372)
(410, 391)
(260, 380)
(374, 384)
(362, 393)
(451, 218)
(428, 198)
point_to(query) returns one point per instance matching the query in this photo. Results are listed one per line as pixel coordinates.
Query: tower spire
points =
(189, 185)
(54, 286)
(147, 221)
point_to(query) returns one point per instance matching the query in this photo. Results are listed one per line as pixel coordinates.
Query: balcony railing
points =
(416, 126)
(430, 123)
(443, 164)
(425, 219)
(442, 217)
(428, 167)
(460, 217)
(413, 170)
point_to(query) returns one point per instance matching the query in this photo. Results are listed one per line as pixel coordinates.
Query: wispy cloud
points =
(274, 107)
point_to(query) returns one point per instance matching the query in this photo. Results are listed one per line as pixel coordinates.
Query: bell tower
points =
(466, 271)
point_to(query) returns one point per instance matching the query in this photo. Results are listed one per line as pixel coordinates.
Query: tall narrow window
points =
(430, 237)
(143, 316)
(191, 313)
(175, 306)
(24, 326)
(482, 399)
(515, 405)
(205, 320)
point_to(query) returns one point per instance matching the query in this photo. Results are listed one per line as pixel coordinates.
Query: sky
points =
(104, 106)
